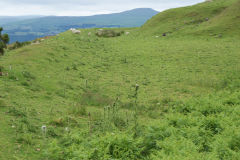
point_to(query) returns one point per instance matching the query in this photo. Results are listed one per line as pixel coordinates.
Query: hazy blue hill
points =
(51, 25)
(10, 19)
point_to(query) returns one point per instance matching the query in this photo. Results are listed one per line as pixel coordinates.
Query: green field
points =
(84, 90)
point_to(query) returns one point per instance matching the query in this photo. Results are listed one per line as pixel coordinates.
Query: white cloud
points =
(84, 7)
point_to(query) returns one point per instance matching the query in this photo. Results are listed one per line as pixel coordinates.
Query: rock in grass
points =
(75, 31)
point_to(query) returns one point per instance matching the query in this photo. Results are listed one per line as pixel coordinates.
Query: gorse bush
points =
(4, 40)
(18, 44)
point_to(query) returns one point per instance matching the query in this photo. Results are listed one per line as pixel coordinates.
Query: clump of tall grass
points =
(1, 68)
(92, 98)
(27, 75)
(2, 103)
(113, 115)
(79, 110)
(17, 112)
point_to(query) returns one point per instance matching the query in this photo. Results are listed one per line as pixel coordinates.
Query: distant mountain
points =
(10, 19)
(30, 29)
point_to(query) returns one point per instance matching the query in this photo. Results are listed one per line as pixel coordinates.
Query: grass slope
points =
(208, 19)
(187, 105)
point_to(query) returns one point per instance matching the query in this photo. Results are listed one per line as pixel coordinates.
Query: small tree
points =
(4, 40)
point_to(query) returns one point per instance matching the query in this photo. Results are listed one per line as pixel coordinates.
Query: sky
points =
(84, 7)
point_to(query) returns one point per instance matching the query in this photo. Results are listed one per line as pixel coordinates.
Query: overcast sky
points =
(83, 7)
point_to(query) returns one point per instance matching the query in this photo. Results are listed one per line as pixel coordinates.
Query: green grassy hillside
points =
(136, 96)
(208, 19)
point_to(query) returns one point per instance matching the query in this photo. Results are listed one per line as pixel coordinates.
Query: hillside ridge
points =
(214, 18)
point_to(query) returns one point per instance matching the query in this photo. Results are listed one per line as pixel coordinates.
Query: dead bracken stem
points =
(114, 108)
(89, 123)
(127, 118)
(86, 83)
(135, 108)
